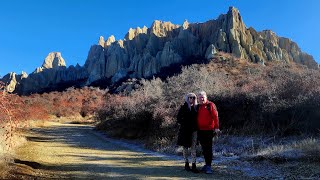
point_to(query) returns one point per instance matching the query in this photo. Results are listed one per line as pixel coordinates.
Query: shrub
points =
(11, 117)
(251, 99)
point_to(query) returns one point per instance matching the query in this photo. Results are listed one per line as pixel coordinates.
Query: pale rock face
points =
(109, 41)
(38, 70)
(24, 75)
(120, 43)
(53, 60)
(185, 25)
(168, 56)
(12, 80)
(95, 63)
(211, 52)
(144, 29)
(186, 44)
(12, 83)
(237, 31)
(132, 33)
(101, 41)
(116, 59)
(160, 29)
(271, 36)
(52, 72)
(145, 51)
(222, 40)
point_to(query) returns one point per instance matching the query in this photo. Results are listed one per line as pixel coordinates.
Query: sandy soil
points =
(73, 151)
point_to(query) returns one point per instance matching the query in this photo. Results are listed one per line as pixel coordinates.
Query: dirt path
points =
(77, 152)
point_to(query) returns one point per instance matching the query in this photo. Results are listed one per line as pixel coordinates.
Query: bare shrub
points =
(11, 117)
(251, 99)
(70, 103)
(125, 116)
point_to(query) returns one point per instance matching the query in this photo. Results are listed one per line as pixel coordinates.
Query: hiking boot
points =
(194, 168)
(204, 168)
(186, 166)
(208, 170)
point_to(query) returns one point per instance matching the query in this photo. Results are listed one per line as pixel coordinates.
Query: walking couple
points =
(197, 122)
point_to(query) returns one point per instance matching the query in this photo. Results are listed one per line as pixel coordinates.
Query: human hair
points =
(203, 93)
(186, 99)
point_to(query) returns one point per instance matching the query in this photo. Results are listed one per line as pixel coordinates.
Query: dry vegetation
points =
(11, 117)
(307, 149)
(275, 100)
(21, 112)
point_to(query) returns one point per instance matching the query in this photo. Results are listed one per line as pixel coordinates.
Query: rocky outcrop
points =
(12, 80)
(211, 52)
(53, 61)
(52, 72)
(110, 40)
(144, 52)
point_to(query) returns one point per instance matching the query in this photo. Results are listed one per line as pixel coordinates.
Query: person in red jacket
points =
(208, 122)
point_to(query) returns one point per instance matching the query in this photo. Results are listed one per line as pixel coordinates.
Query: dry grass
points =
(76, 119)
(6, 155)
(3, 169)
(306, 149)
(17, 140)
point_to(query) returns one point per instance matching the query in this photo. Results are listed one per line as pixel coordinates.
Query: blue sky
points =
(29, 30)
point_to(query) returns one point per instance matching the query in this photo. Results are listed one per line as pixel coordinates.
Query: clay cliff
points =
(145, 51)
(53, 71)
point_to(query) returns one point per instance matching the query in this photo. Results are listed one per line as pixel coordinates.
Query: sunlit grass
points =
(308, 149)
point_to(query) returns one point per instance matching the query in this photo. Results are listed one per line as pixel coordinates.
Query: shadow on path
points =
(79, 153)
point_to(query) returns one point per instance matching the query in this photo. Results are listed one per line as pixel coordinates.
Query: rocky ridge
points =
(145, 51)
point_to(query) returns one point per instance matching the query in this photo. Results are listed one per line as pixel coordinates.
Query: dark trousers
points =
(205, 138)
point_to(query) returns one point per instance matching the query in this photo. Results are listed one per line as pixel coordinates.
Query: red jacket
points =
(208, 116)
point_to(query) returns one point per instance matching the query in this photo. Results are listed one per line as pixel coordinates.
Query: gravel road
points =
(73, 151)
